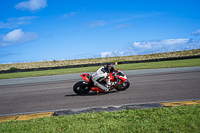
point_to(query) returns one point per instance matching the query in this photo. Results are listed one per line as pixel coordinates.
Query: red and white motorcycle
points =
(118, 81)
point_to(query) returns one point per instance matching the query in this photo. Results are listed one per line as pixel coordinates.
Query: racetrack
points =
(55, 92)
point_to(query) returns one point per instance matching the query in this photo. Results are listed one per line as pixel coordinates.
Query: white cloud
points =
(15, 22)
(13, 36)
(196, 33)
(96, 23)
(123, 26)
(22, 20)
(69, 14)
(6, 25)
(106, 54)
(155, 46)
(32, 5)
(174, 41)
(160, 43)
(17, 36)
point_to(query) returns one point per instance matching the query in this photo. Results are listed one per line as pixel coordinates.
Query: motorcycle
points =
(118, 81)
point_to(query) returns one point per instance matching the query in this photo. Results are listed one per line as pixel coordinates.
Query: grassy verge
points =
(134, 66)
(55, 63)
(176, 119)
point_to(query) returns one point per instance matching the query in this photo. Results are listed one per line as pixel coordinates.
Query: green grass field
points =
(182, 119)
(133, 66)
(43, 64)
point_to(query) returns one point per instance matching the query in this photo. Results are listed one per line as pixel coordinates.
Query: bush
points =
(14, 68)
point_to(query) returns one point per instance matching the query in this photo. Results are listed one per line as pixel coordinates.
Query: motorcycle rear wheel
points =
(123, 86)
(81, 88)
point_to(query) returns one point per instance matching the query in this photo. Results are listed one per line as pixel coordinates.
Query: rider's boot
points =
(101, 86)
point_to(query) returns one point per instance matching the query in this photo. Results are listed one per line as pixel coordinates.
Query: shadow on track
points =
(92, 94)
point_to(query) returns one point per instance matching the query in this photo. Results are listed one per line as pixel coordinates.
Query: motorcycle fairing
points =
(122, 79)
(86, 77)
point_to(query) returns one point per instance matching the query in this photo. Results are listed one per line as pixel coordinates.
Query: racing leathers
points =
(99, 76)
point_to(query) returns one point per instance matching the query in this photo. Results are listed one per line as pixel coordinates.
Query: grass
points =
(184, 119)
(98, 60)
(133, 66)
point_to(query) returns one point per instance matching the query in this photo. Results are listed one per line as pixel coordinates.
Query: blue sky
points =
(41, 30)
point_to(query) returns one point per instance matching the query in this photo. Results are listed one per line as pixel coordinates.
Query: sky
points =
(44, 30)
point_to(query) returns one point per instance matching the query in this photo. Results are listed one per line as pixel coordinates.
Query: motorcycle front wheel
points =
(81, 88)
(123, 86)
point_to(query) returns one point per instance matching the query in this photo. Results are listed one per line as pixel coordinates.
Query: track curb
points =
(98, 109)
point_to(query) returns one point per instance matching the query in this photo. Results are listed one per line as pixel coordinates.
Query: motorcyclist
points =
(101, 74)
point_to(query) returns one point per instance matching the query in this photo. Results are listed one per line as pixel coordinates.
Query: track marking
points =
(34, 116)
(8, 118)
(180, 103)
(26, 116)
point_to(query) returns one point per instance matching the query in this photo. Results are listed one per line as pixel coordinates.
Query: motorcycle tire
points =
(81, 88)
(123, 86)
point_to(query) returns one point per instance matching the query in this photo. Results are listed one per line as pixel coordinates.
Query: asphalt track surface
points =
(50, 93)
